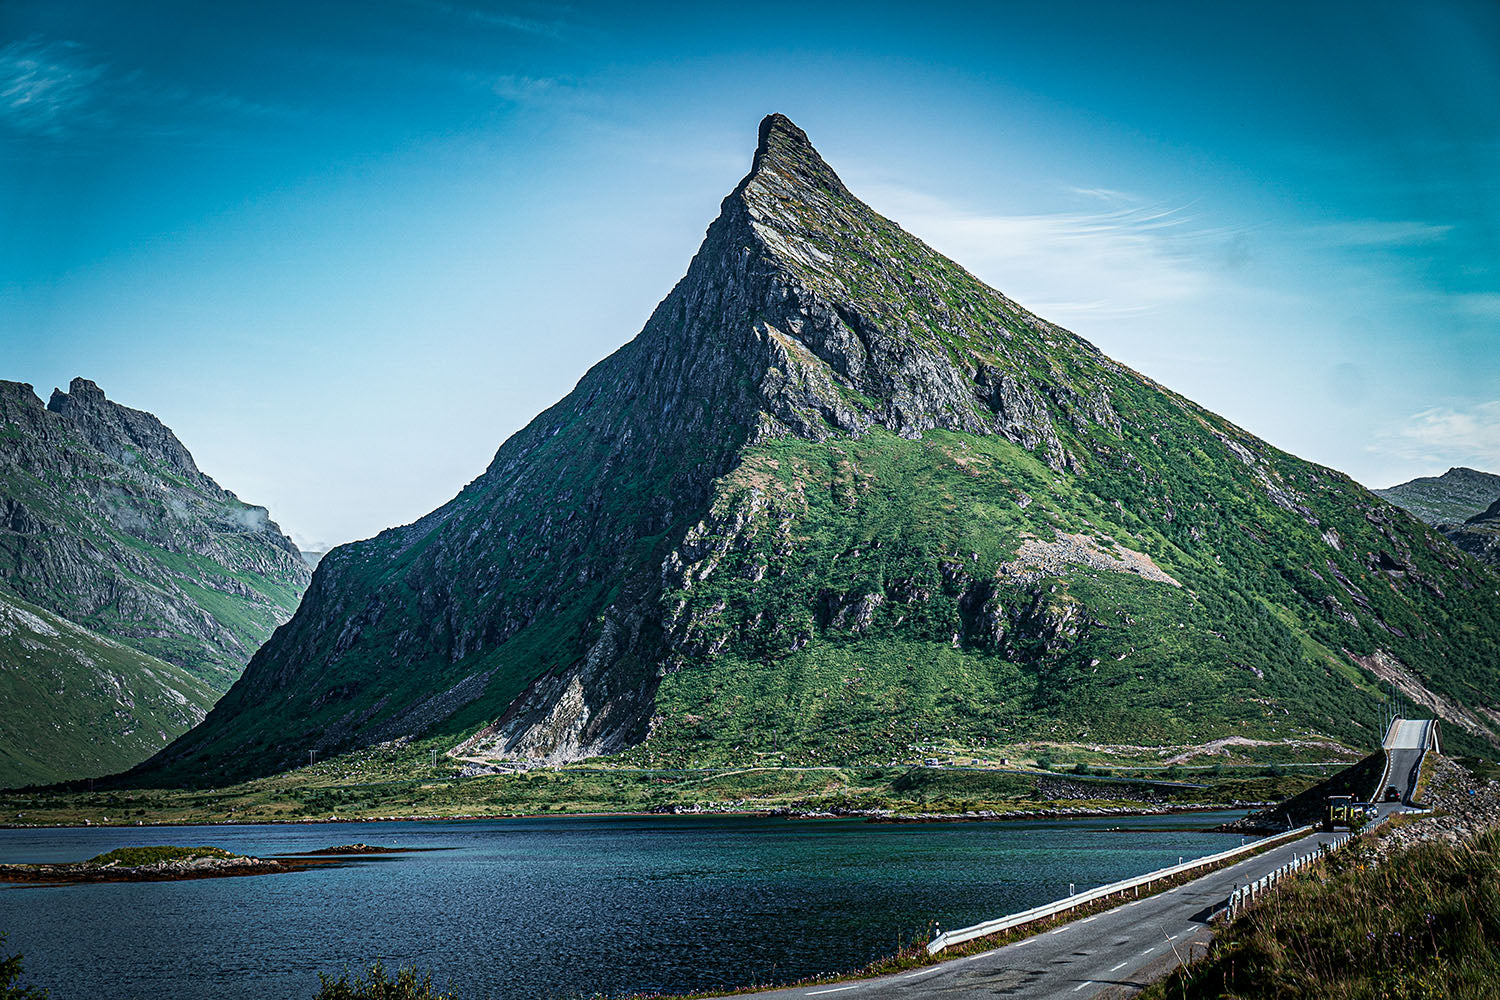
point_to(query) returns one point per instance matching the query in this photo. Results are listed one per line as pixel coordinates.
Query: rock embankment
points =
(1463, 805)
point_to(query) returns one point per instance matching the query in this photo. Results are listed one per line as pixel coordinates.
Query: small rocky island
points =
(171, 864)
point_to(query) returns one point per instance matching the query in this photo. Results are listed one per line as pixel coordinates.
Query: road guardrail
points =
(949, 938)
(1246, 895)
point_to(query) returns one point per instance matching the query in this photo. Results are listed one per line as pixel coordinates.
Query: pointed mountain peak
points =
(784, 149)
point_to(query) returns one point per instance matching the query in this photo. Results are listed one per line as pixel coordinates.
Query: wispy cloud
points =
(1478, 305)
(48, 88)
(548, 22)
(1445, 436)
(1378, 233)
(1117, 256)
(520, 89)
(59, 90)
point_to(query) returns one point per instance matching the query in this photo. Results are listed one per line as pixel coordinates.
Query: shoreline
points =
(867, 815)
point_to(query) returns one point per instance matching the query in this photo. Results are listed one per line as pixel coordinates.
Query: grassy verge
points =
(379, 784)
(1425, 924)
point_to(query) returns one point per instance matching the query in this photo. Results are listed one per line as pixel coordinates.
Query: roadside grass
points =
(1425, 924)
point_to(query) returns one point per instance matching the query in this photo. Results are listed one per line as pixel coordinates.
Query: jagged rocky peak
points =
(120, 432)
(785, 149)
(866, 325)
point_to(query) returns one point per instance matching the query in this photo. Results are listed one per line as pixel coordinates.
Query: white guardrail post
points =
(949, 938)
(1243, 896)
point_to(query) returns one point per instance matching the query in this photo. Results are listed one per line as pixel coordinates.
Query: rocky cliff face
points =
(1479, 535)
(106, 521)
(839, 500)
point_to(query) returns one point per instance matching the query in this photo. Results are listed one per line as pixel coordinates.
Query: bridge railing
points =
(949, 938)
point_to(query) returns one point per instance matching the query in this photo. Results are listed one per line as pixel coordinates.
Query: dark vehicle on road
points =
(1393, 794)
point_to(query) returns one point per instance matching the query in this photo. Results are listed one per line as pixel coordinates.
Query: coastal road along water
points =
(1117, 953)
(1111, 954)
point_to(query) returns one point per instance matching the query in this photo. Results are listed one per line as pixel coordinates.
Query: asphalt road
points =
(1112, 954)
(1404, 747)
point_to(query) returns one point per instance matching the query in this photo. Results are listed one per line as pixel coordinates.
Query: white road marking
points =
(1087, 919)
(1119, 967)
(922, 972)
(1138, 902)
(1020, 944)
(818, 993)
(1149, 950)
(1061, 929)
(1081, 985)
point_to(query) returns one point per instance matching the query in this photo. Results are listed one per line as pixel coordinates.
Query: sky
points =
(345, 249)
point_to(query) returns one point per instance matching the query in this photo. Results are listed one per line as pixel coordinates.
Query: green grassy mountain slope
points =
(1451, 498)
(74, 704)
(841, 501)
(107, 523)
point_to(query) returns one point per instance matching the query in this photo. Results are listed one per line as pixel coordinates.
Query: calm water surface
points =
(554, 908)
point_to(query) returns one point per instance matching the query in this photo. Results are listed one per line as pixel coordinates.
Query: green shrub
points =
(10, 975)
(376, 985)
(135, 857)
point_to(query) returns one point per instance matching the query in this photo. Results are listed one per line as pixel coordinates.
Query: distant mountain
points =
(313, 558)
(1451, 498)
(840, 501)
(1463, 504)
(1479, 535)
(158, 583)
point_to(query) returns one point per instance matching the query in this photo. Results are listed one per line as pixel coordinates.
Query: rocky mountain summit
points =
(1463, 504)
(841, 501)
(1452, 498)
(157, 583)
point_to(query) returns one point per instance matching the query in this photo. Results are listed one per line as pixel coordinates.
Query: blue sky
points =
(345, 249)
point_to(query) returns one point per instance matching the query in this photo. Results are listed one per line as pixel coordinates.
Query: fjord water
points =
(555, 908)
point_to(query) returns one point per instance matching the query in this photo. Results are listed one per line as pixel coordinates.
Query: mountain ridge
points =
(679, 559)
(1463, 504)
(1452, 498)
(170, 581)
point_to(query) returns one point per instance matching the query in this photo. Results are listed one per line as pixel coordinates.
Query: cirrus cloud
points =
(1444, 435)
(47, 88)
